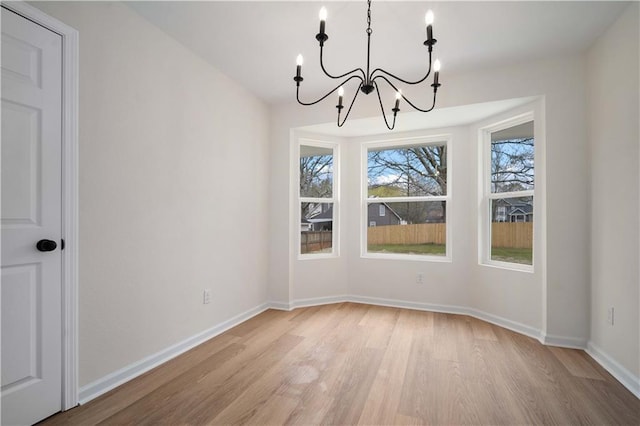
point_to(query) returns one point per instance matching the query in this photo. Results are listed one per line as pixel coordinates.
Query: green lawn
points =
(513, 255)
(432, 249)
(502, 254)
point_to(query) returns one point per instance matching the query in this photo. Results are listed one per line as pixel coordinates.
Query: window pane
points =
(407, 228)
(316, 172)
(512, 230)
(407, 171)
(316, 228)
(512, 164)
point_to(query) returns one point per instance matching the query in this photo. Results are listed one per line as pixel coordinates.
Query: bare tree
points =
(414, 171)
(316, 180)
(512, 165)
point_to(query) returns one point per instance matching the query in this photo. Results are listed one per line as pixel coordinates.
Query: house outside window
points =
(407, 192)
(317, 198)
(509, 183)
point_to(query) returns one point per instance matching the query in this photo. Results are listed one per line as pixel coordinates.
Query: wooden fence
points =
(424, 233)
(512, 234)
(503, 234)
(314, 241)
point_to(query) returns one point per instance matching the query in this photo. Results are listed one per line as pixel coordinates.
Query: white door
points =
(31, 212)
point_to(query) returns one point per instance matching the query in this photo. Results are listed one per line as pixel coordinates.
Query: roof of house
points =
(327, 215)
(522, 208)
(388, 208)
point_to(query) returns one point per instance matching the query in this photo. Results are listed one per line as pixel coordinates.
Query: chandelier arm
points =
(406, 99)
(364, 77)
(350, 106)
(325, 96)
(382, 110)
(372, 77)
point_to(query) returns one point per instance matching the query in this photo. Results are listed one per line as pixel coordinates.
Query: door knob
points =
(46, 245)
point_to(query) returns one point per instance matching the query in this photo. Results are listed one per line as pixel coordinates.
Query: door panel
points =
(21, 293)
(21, 151)
(31, 211)
(21, 60)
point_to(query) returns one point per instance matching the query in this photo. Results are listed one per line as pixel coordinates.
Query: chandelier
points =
(368, 80)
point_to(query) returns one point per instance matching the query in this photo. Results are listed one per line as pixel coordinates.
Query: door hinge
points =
(62, 244)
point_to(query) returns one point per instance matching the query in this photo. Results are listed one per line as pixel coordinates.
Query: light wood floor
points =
(359, 364)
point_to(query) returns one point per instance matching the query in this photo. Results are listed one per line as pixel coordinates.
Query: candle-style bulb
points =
(341, 91)
(323, 14)
(398, 95)
(321, 37)
(428, 17)
(298, 77)
(436, 75)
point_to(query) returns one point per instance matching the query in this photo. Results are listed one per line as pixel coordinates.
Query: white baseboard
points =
(317, 301)
(303, 303)
(394, 303)
(280, 306)
(563, 341)
(115, 379)
(624, 376)
(516, 326)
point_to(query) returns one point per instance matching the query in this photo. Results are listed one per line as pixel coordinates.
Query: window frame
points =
(487, 197)
(334, 199)
(433, 140)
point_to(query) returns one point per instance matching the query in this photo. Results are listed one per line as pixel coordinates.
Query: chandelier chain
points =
(369, 31)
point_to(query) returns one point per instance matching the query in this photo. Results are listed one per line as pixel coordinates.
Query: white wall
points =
(172, 190)
(561, 308)
(613, 90)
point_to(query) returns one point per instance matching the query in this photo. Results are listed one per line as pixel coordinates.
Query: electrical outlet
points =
(610, 317)
(206, 296)
(420, 278)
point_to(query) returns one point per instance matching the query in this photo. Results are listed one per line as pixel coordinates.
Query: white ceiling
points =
(256, 43)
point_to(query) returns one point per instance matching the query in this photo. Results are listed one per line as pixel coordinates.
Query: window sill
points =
(318, 256)
(411, 257)
(517, 267)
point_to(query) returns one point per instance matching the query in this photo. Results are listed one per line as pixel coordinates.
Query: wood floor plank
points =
(210, 404)
(483, 330)
(444, 347)
(353, 363)
(355, 381)
(311, 411)
(400, 419)
(576, 363)
(383, 400)
(276, 411)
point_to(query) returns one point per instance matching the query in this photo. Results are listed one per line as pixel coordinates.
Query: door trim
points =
(69, 194)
